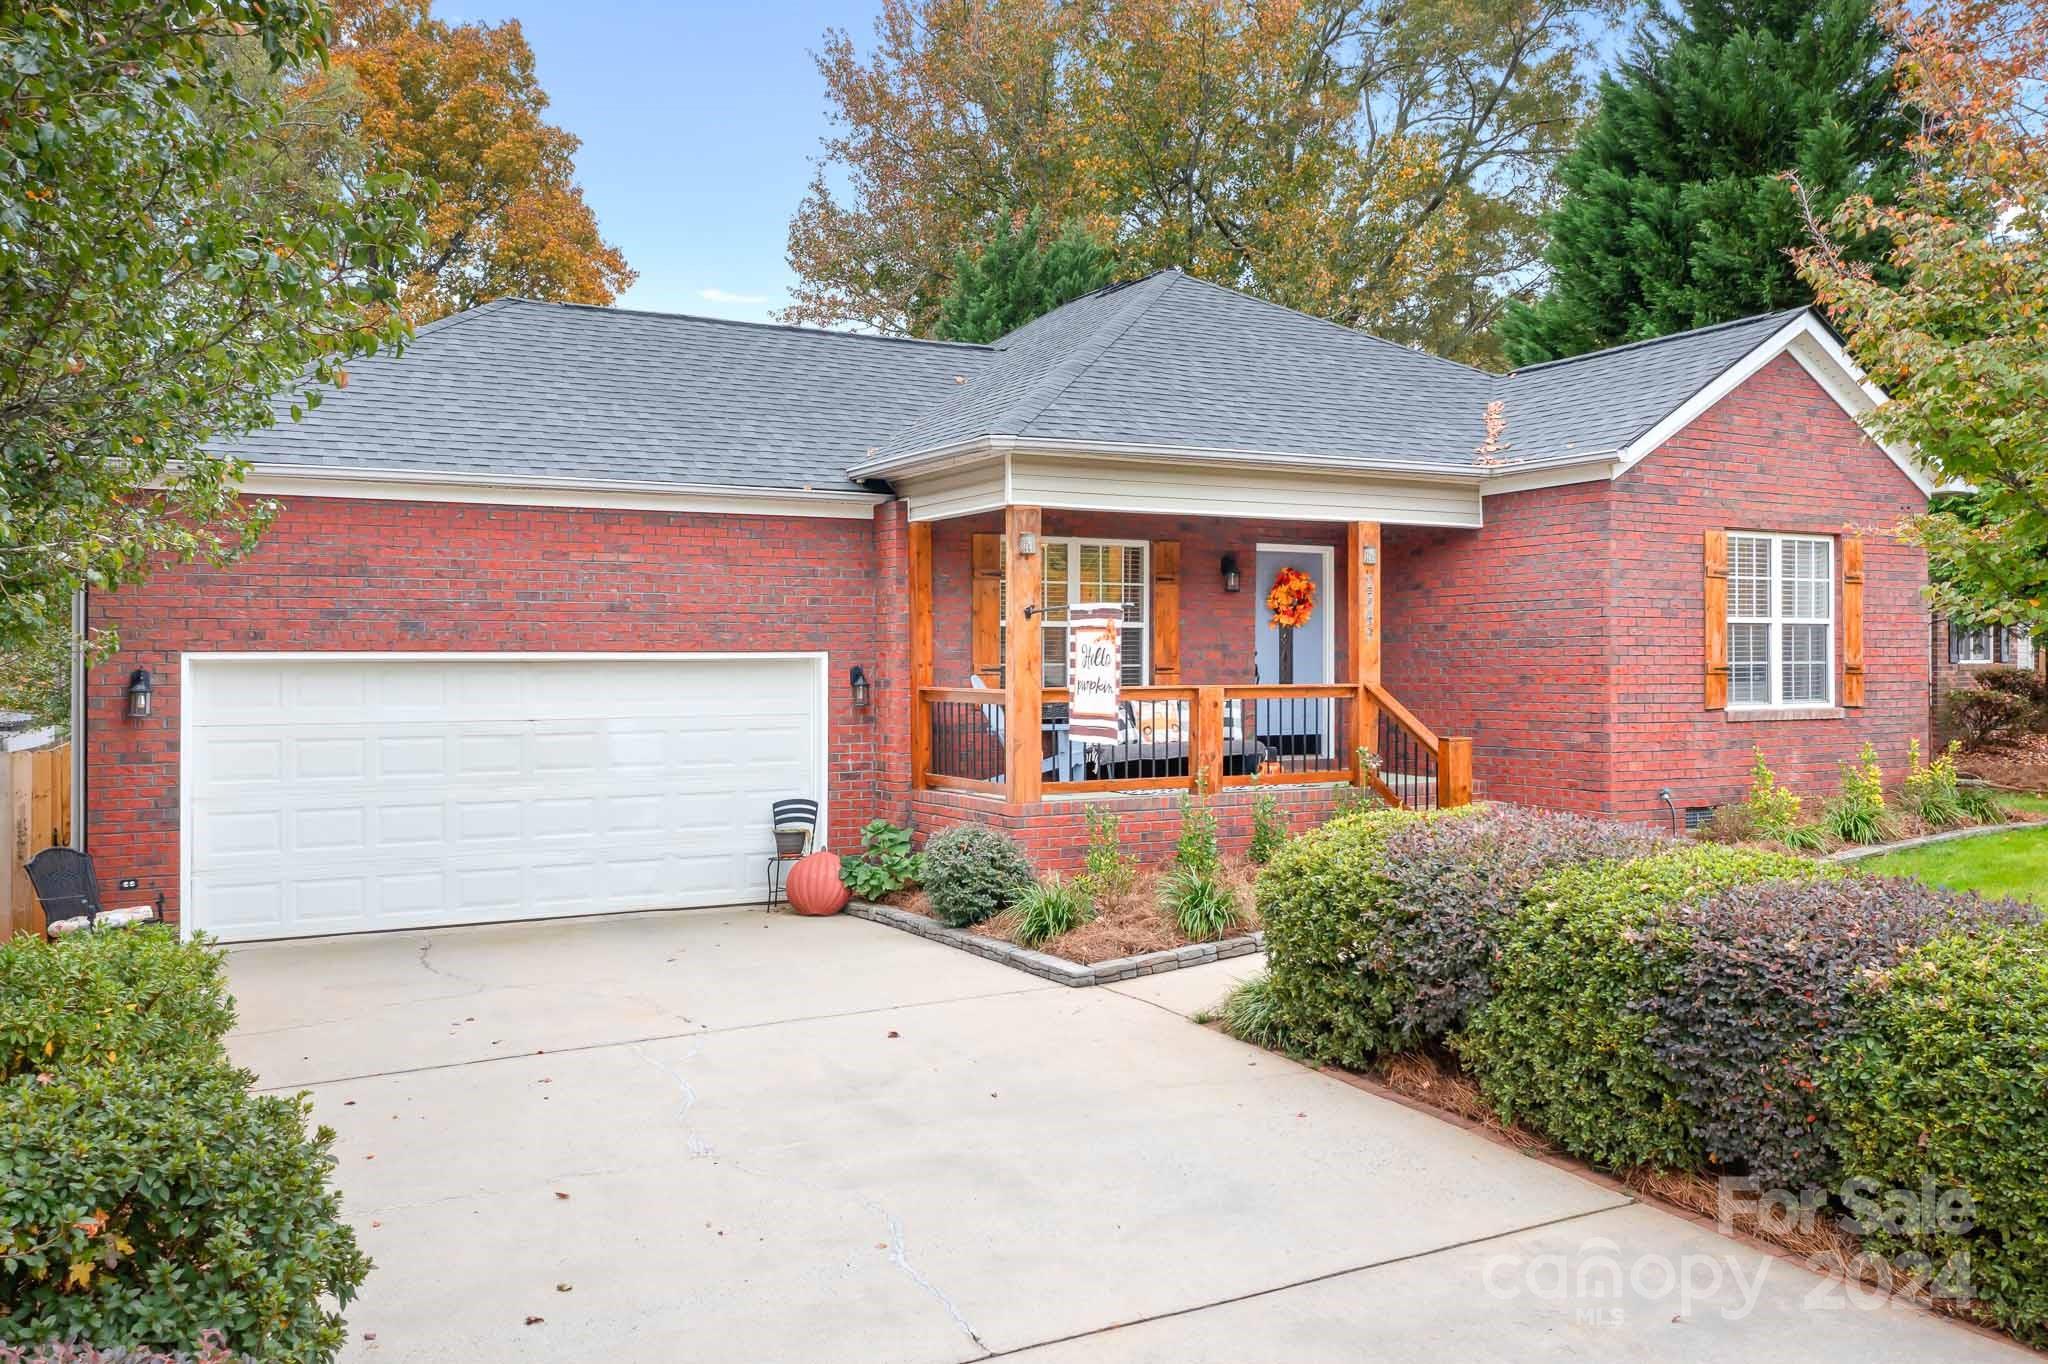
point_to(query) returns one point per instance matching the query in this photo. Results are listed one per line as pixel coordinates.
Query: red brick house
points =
(560, 600)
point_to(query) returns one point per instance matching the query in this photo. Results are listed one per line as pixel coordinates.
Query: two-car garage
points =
(343, 793)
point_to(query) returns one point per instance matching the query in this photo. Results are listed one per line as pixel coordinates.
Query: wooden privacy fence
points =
(35, 791)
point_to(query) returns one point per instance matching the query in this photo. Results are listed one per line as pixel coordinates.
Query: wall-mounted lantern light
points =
(1027, 543)
(862, 692)
(1233, 581)
(139, 687)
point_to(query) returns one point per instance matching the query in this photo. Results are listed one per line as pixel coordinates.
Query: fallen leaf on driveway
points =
(894, 1033)
(560, 1194)
(565, 1288)
(535, 1321)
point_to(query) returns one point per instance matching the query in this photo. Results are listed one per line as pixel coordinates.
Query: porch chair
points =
(70, 894)
(1049, 764)
(795, 822)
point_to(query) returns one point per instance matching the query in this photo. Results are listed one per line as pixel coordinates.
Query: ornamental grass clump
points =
(1763, 989)
(1048, 909)
(1200, 903)
(1936, 1089)
(1249, 1015)
(1563, 1046)
(973, 873)
(1932, 791)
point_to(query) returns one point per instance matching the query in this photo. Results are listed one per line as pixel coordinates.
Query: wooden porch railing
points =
(1218, 736)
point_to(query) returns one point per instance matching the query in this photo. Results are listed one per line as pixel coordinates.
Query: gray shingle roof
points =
(1172, 361)
(1603, 401)
(517, 388)
(523, 388)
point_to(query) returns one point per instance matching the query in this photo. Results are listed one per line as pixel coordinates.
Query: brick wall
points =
(1567, 636)
(1500, 634)
(1054, 835)
(347, 574)
(1776, 455)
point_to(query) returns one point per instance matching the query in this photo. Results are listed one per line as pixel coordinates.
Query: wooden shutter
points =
(1852, 621)
(1955, 643)
(1716, 607)
(986, 609)
(1166, 613)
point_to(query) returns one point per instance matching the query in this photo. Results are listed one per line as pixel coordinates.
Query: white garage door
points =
(340, 795)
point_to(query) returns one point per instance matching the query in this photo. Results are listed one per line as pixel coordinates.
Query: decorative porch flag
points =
(1095, 668)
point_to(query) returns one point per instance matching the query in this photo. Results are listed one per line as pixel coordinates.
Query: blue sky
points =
(698, 123)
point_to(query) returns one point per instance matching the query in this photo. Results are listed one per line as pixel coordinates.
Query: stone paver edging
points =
(1880, 849)
(1053, 968)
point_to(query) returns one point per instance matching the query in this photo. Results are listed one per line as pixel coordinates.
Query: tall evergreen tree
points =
(1017, 275)
(1673, 214)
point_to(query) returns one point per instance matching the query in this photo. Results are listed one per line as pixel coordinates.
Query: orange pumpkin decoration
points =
(814, 885)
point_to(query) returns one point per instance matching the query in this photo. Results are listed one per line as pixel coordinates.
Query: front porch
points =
(1213, 697)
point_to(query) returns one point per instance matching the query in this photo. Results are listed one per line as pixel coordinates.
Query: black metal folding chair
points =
(70, 894)
(795, 820)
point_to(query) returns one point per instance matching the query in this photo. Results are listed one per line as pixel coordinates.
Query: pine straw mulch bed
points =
(1815, 1240)
(1127, 925)
(2022, 767)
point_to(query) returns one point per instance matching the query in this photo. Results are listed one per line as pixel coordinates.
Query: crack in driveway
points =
(899, 1249)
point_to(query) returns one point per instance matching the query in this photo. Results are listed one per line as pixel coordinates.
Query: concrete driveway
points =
(727, 1136)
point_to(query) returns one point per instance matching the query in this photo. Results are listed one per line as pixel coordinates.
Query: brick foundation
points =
(1054, 835)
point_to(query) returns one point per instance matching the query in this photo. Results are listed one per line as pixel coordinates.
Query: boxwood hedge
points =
(1563, 1045)
(1940, 1083)
(973, 873)
(1764, 987)
(1326, 908)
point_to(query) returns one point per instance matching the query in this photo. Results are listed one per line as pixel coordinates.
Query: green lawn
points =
(2037, 805)
(2014, 863)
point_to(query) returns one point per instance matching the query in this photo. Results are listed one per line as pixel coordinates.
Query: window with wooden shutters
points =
(1090, 571)
(1781, 623)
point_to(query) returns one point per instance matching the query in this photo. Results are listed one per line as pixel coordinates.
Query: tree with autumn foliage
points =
(1387, 167)
(1956, 329)
(459, 107)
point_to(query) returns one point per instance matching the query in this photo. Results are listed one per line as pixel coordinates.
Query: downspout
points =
(78, 802)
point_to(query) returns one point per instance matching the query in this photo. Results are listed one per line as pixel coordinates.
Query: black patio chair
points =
(70, 894)
(795, 822)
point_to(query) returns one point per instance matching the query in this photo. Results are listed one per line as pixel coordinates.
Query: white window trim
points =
(1072, 544)
(1777, 621)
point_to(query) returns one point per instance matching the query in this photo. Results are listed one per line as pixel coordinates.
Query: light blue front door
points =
(1293, 726)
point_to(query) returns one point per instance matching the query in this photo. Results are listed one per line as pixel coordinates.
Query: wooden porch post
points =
(1454, 774)
(1362, 636)
(1023, 656)
(1362, 599)
(919, 546)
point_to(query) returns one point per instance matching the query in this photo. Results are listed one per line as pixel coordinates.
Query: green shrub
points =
(1456, 883)
(1110, 871)
(1269, 829)
(1197, 849)
(1764, 986)
(96, 997)
(1933, 791)
(2030, 687)
(148, 1201)
(1773, 811)
(1048, 909)
(1938, 1085)
(1984, 720)
(1325, 903)
(885, 864)
(1858, 814)
(1249, 1015)
(1562, 1045)
(1979, 805)
(1200, 905)
(973, 873)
